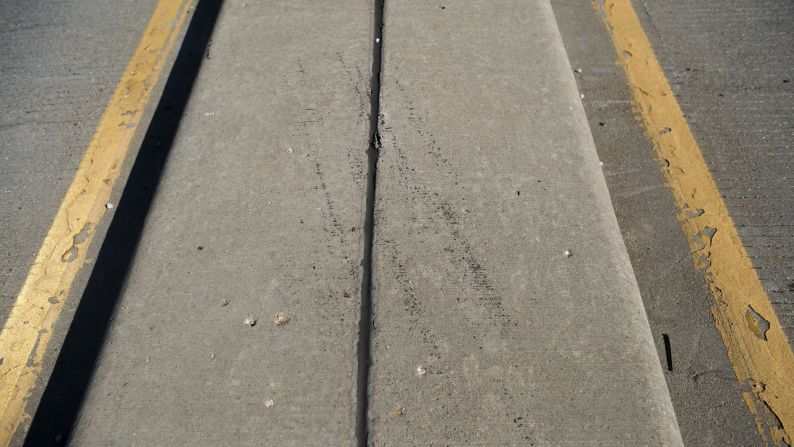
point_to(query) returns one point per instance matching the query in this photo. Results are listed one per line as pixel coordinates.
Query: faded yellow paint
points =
(763, 366)
(28, 329)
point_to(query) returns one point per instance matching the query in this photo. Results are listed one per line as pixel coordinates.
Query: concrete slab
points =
(257, 215)
(505, 308)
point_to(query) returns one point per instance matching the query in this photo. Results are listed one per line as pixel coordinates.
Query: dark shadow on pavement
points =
(63, 397)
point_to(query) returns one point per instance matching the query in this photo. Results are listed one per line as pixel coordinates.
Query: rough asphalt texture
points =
(731, 63)
(703, 387)
(486, 333)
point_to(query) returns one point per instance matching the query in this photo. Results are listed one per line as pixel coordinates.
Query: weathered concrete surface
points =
(486, 333)
(703, 387)
(260, 204)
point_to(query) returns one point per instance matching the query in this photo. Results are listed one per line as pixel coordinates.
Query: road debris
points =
(224, 302)
(567, 253)
(109, 206)
(420, 371)
(250, 321)
(399, 411)
(269, 403)
(212, 356)
(281, 319)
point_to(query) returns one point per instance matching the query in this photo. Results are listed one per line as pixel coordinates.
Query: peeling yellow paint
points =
(764, 367)
(28, 329)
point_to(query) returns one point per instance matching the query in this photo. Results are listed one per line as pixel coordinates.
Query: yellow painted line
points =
(763, 362)
(28, 329)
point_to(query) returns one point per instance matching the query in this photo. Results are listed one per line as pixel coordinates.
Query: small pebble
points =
(269, 403)
(578, 70)
(567, 253)
(581, 96)
(398, 411)
(250, 321)
(281, 319)
(109, 206)
(224, 302)
(212, 356)
(420, 372)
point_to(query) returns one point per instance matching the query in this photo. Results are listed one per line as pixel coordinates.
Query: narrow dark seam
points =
(365, 322)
